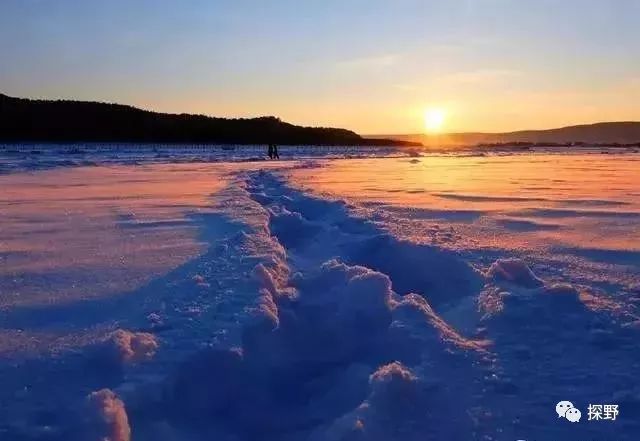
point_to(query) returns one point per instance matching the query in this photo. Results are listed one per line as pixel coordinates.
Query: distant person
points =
(275, 152)
(270, 151)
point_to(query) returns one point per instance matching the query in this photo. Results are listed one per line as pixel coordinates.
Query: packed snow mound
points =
(341, 312)
(315, 209)
(546, 302)
(208, 384)
(491, 301)
(513, 271)
(437, 274)
(514, 289)
(563, 296)
(108, 419)
(300, 372)
(562, 289)
(291, 228)
(553, 333)
(126, 347)
(309, 362)
(390, 412)
(415, 322)
(354, 295)
(331, 274)
(336, 313)
(262, 322)
(392, 384)
(366, 299)
(272, 276)
(267, 310)
(268, 278)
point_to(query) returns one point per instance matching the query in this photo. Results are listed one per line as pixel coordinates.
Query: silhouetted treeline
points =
(526, 145)
(23, 120)
(602, 133)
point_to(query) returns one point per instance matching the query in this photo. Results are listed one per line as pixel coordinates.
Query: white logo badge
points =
(565, 409)
(562, 407)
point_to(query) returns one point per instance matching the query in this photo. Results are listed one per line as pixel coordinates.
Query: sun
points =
(434, 119)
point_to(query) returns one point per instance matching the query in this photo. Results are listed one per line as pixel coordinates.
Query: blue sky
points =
(373, 66)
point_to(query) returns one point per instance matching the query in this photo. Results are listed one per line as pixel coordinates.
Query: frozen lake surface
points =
(441, 297)
(19, 157)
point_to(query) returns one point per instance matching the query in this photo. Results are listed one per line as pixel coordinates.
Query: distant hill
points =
(625, 132)
(24, 120)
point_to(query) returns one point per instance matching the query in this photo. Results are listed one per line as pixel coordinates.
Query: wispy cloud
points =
(480, 76)
(453, 80)
(373, 62)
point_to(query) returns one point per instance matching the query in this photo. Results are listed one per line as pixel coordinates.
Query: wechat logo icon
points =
(565, 409)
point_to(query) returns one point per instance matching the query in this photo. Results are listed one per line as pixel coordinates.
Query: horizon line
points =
(424, 134)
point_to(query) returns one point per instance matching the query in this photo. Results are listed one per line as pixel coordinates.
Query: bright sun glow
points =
(434, 119)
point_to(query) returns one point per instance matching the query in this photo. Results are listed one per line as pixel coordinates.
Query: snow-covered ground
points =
(394, 298)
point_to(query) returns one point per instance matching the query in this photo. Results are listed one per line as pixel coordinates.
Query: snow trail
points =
(307, 318)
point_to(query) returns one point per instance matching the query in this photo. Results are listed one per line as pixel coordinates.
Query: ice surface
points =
(443, 298)
(24, 157)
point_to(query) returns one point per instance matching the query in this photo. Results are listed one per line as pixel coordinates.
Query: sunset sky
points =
(373, 66)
